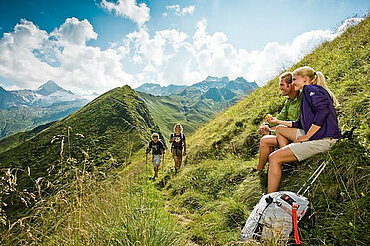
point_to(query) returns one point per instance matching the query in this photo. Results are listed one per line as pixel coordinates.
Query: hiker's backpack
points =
(277, 214)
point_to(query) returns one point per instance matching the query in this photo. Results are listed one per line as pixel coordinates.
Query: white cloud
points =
(30, 57)
(129, 9)
(348, 23)
(181, 11)
(76, 32)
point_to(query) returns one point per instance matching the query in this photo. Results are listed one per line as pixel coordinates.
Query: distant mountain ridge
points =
(239, 86)
(46, 95)
(26, 109)
(158, 90)
(50, 87)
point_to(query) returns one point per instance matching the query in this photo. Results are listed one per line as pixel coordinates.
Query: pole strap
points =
(295, 223)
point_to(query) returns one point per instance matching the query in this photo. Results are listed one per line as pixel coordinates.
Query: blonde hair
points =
(316, 78)
(174, 128)
(287, 77)
(155, 135)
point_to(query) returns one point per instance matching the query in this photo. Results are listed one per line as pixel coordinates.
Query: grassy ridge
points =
(114, 126)
(215, 190)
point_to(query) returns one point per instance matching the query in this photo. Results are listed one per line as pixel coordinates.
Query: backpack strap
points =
(295, 223)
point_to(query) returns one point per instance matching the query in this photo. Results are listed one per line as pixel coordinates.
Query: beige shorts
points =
(156, 160)
(305, 150)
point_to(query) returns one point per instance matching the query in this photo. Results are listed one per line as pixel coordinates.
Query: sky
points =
(91, 46)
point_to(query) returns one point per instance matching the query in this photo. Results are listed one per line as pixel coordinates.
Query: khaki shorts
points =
(176, 152)
(156, 160)
(305, 150)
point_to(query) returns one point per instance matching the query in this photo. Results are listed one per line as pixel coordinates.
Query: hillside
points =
(19, 137)
(215, 192)
(194, 105)
(113, 127)
(169, 110)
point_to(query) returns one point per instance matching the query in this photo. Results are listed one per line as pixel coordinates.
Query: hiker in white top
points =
(178, 144)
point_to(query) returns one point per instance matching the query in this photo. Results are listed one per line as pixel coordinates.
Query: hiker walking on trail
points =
(178, 143)
(158, 150)
(314, 132)
(289, 112)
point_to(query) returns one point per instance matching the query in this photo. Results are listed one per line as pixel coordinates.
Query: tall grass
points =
(125, 209)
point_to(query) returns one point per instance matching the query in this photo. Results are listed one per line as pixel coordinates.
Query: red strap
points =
(295, 223)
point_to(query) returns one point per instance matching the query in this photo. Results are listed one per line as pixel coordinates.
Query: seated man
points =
(290, 112)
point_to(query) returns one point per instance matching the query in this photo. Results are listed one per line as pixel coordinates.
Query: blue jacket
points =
(317, 108)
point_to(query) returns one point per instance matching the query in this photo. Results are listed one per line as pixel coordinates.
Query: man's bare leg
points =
(276, 159)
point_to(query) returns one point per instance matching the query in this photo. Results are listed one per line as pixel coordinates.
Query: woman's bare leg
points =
(277, 158)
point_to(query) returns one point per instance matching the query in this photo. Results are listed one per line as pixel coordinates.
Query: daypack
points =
(278, 213)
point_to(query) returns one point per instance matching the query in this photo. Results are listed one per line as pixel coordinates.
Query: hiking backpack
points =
(277, 214)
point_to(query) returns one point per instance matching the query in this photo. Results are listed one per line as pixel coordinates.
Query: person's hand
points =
(264, 129)
(300, 139)
(273, 120)
(172, 139)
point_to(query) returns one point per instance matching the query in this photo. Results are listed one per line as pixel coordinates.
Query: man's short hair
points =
(287, 77)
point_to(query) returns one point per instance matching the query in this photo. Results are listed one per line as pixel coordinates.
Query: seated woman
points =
(314, 132)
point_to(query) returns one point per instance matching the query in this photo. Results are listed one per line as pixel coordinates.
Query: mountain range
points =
(25, 109)
(46, 95)
(224, 88)
(192, 105)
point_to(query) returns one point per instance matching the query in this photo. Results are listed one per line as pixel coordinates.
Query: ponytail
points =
(320, 80)
(317, 78)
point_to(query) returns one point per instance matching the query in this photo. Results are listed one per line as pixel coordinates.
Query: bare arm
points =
(184, 147)
(313, 129)
(280, 122)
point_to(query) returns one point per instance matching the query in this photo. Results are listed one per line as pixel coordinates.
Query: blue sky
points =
(96, 45)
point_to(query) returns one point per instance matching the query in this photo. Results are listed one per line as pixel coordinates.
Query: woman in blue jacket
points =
(314, 132)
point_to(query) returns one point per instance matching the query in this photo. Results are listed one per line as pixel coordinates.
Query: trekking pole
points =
(146, 161)
(163, 167)
(312, 178)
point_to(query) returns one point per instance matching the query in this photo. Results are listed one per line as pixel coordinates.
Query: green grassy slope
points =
(216, 192)
(19, 137)
(114, 126)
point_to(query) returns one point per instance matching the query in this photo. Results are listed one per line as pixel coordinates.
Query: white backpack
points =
(277, 214)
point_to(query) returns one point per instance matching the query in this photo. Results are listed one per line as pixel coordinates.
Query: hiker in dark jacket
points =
(158, 150)
(314, 132)
(178, 143)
